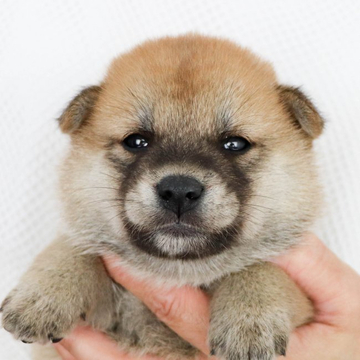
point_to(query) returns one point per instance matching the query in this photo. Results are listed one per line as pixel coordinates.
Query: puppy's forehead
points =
(188, 85)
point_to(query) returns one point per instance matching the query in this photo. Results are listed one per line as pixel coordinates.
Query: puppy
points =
(194, 165)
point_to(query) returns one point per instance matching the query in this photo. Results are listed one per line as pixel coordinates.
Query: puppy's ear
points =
(301, 110)
(79, 110)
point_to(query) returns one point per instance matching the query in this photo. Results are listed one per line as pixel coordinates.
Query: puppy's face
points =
(190, 150)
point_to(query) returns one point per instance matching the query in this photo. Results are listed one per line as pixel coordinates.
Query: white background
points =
(49, 50)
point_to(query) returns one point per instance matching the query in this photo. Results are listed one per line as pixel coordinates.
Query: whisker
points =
(104, 200)
(97, 187)
(263, 196)
(260, 206)
(113, 177)
(110, 206)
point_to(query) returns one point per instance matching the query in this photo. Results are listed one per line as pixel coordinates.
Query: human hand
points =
(333, 287)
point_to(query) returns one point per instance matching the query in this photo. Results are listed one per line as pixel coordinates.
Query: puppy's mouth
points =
(179, 240)
(180, 229)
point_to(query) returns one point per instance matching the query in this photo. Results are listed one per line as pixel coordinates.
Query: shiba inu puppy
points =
(195, 166)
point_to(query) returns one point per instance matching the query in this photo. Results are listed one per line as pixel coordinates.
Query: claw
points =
(53, 339)
(56, 340)
(280, 346)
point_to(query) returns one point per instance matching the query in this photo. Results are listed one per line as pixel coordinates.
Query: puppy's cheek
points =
(89, 188)
(116, 223)
(140, 204)
(275, 199)
(220, 208)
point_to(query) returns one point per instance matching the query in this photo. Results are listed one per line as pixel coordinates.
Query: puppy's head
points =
(188, 153)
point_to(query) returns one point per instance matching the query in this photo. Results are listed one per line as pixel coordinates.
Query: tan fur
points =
(188, 94)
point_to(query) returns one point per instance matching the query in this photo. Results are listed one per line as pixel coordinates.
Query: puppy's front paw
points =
(33, 315)
(249, 336)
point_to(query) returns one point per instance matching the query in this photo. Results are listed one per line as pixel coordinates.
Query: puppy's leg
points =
(253, 313)
(61, 287)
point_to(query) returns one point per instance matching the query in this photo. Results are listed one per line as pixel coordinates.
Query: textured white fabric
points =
(49, 50)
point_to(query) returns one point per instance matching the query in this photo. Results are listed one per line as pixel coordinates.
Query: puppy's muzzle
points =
(179, 194)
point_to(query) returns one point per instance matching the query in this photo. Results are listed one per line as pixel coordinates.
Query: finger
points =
(328, 282)
(87, 344)
(185, 310)
(64, 354)
(322, 340)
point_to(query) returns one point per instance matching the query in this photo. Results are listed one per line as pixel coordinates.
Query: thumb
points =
(324, 278)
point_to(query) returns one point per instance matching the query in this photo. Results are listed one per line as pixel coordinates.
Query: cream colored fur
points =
(187, 95)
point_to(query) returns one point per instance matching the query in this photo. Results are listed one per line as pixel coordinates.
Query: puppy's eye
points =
(237, 144)
(135, 142)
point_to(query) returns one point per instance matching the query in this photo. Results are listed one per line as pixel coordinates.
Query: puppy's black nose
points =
(179, 193)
